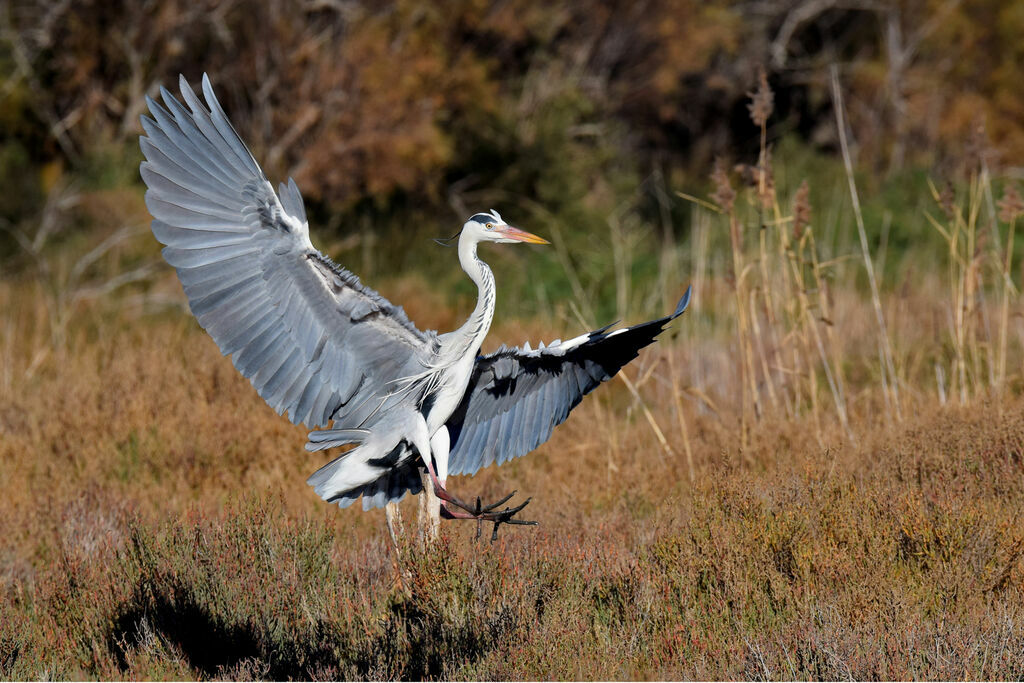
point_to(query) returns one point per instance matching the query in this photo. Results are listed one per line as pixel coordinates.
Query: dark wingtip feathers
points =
(683, 302)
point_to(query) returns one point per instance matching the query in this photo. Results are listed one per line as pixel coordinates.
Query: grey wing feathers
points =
(304, 331)
(516, 397)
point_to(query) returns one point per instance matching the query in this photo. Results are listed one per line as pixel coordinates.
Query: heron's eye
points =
(490, 225)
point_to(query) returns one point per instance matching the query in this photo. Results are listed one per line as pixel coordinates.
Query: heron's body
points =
(329, 352)
(413, 412)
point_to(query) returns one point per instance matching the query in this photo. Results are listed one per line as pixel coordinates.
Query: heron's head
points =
(490, 227)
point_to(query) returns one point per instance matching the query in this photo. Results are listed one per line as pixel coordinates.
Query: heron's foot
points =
(453, 508)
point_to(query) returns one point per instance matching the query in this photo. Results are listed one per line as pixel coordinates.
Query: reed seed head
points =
(747, 174)
(946, 198)
(762, 101)
(723, 195)
(1011, 206)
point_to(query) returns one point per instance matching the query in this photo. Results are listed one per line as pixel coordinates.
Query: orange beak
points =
(521, 235)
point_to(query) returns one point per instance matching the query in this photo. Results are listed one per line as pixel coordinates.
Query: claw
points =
(523, 522)
(497, 503)
(512, 511)
(505, 517)
(484, 513)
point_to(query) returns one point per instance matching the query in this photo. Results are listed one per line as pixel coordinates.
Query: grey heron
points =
(331, 353)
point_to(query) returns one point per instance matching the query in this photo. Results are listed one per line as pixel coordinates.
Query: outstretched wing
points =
(304, 331)
(516, 397)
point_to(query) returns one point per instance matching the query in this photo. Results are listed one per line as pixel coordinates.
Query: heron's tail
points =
(380, 477)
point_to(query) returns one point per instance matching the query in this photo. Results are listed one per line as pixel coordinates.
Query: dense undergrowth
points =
(897, 559)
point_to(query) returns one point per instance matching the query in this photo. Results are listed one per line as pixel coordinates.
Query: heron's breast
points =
(446, 398)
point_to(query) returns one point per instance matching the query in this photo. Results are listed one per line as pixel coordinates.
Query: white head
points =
(490, 227)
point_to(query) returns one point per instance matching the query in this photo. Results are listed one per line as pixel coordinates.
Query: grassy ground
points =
(156, 525)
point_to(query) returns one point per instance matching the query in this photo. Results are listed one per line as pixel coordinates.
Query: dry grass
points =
(157, 526)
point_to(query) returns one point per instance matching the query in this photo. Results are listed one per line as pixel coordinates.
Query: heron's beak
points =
(521, 235)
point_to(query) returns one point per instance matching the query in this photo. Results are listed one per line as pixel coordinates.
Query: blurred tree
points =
(366, 100)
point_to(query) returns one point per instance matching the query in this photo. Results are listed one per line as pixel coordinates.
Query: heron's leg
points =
(452, 507)
(430, 504)
(393, 515)
(423, 443)
(429, 509)
(395, 527)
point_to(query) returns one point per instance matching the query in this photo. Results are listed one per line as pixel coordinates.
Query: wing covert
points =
(306, 332)
(517, 396)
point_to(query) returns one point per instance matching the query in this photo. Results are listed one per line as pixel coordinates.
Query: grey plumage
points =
(331, 353)
(298, 326)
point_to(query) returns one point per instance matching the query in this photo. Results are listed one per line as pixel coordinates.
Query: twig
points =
(647, 414)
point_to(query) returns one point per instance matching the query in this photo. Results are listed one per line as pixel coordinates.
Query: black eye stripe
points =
(482, 218)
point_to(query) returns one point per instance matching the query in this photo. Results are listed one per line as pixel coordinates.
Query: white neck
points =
(473, 331)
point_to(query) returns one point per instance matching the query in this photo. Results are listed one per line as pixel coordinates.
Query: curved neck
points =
(475, 328)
